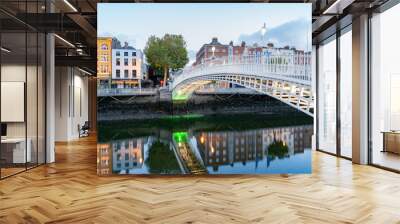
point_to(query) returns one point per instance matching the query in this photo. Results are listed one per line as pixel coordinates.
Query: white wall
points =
(71, 102)
(33, 126)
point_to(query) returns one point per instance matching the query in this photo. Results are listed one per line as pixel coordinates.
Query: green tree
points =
(166, 53)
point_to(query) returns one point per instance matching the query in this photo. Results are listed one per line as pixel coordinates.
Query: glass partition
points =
(385, 89)
(346, 93)
(22, 90)
(327, 96)
(31, 98)
(13, 94)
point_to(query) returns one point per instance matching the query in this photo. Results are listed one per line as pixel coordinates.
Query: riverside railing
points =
(126, 91)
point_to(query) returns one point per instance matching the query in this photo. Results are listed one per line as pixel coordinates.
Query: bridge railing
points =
(290, 67)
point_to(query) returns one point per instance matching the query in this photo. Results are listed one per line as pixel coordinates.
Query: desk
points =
(391, 141)
(16, 147)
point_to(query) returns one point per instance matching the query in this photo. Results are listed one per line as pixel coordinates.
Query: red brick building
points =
(227, 51)
(216, 53)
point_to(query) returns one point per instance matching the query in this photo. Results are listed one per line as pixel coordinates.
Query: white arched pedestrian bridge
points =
(286, 78)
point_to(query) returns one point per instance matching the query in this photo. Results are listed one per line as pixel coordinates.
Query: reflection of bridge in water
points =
(196, 150)
(286, 78)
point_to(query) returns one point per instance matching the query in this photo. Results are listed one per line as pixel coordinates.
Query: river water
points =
(206, 144)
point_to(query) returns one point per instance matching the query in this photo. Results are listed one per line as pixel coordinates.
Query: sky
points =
(287, 24)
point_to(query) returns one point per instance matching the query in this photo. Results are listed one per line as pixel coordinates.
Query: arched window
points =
(104, 47)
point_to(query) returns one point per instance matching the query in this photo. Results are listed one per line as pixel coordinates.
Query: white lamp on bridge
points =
(263, 31)
(213, 50)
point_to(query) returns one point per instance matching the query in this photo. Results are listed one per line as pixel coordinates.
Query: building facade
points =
(128, 155)
(104, 68)
(104, 159)
(128, 68)
(217, 53)
(215, 50)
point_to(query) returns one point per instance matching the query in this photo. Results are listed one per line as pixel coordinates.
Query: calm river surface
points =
(211, 144)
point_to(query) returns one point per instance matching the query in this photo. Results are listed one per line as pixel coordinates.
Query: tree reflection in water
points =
(278, 149)
(162, 160)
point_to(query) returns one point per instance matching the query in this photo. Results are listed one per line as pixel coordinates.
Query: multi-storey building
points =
(229, 147)
(128, 154)
(215, 50)
(128, 69)
(104, 61)
(220, 148)
(104, 156)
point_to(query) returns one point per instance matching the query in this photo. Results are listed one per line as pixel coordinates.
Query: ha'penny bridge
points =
(286, 78)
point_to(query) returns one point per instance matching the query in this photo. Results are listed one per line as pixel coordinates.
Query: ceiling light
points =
(5, 50)
(86, 72)
(70, 5)
(338, 6)
(64, 40)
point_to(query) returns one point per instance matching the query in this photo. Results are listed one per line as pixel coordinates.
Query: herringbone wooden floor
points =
(69, 191)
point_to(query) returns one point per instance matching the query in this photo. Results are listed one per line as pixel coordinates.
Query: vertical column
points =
(92, 103)
(50, 92)
(360, 90)
(50, 98)
(313, 93)
(338, 94)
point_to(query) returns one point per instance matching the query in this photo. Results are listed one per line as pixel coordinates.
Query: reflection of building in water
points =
(228, 147)
(297, 138)
(104, 155)
(127, 154)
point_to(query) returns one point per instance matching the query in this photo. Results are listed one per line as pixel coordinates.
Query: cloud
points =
(296, 33)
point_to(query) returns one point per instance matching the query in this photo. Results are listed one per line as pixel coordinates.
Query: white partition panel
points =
(12, 101)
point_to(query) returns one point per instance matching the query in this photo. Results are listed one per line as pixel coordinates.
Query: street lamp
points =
(263, 31)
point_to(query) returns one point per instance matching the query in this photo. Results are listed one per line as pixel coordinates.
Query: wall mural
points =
(204, 88)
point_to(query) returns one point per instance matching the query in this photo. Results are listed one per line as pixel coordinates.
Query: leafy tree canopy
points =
(168, 52)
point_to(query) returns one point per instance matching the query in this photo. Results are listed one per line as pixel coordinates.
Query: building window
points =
(104, 47)
(118, 73)
(134, 62)
(134, 54)
(133, 73)
(118, 53)
(118, 62)
(125, 53)
(125, 61)
(126, 73)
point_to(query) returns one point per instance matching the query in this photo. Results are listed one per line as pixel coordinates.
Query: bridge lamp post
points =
(213, 51)
(263, 31)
